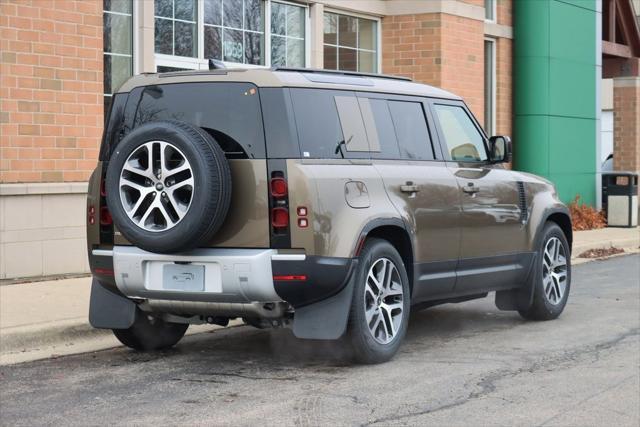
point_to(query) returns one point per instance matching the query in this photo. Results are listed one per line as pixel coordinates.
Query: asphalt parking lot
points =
(464, 364)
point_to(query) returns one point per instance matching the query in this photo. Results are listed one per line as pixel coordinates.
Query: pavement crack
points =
(487, 384)
(198, 380)
(250, 377)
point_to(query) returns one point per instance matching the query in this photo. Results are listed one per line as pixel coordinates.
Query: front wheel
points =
(150, 333)
(551, 278)
(380, 306)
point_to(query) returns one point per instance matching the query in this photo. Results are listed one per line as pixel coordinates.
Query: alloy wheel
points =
(554, 270)
(156, 186)
(383, 300)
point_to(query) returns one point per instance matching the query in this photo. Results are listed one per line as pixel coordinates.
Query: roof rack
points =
(344, 73)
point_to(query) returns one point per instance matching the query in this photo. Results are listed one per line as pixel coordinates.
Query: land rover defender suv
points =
(329, 203)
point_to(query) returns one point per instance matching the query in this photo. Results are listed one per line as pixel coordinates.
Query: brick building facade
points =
(61, 60)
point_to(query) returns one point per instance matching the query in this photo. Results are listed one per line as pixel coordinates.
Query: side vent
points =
(522, 202)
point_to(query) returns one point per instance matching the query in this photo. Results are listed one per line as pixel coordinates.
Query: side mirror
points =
(500, 149)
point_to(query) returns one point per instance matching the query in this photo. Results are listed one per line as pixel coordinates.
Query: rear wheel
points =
(551, 279)
(380, 305)
(150, 333)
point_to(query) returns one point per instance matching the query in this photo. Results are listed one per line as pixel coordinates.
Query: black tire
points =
(211, 190)
(365, 348)
(150, 333)
(541, 308)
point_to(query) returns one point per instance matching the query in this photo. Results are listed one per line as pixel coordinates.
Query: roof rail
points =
(344, 73)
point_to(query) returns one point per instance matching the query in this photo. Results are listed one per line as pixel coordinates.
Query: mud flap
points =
(326, 319)
(521, 298)
(108, 310)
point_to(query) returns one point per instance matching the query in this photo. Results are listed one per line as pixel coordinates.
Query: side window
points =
(411, 130)
(329, 124)
(464, 142)
(379, 126)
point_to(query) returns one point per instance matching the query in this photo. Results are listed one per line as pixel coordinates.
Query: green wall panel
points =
(533, 84)
(533, 156)
(572, 89)
(555, 93)
(571, 32)
(574, 149)
(576, 184)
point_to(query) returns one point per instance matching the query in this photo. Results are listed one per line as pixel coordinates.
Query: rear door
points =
(419, 185)
(493, 236)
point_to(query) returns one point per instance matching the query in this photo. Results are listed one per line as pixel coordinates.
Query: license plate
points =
(183, 277)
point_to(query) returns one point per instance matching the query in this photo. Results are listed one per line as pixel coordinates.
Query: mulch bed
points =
(601, 252)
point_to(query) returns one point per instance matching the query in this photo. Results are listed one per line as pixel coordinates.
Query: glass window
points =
(489, 86)
(355, 137)
(117, 46)
(234, 120)
(350, 43)
(411, 130)
(287, 35)
(489, 10)
(318, 123)
(234, 31)
(176, 28)
(462, 138)
(380, 130)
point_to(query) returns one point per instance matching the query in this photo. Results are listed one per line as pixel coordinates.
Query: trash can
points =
(620, 198)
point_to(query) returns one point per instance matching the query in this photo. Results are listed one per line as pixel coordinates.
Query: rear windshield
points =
(230, 112)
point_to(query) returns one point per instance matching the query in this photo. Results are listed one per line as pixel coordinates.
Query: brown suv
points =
(330, 203)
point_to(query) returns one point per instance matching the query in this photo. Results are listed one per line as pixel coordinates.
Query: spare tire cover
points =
(168, 187)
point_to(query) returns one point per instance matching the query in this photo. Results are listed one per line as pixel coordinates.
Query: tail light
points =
(280, 218)
(105, 216)
(290, 277)
(278, 187)
(279, 214)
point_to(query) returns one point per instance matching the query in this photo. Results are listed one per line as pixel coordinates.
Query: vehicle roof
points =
(308, 78)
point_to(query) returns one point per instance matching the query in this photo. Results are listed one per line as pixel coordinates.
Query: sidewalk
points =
(41, 319)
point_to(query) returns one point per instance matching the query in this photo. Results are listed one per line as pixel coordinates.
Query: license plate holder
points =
(183, 277)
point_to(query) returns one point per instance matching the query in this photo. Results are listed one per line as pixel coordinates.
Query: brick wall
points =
(504, 87)
(626, 111)
(51, 89)
(437, 49)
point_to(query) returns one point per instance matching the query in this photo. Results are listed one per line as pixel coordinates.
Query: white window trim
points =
(494, 12)
(378, 22)
(202, 63)
(135, 60)
(494, 86)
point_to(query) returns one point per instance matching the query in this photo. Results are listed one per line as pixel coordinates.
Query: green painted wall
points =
(555, 98)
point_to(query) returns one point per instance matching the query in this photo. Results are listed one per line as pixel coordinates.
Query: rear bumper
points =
(237, 276)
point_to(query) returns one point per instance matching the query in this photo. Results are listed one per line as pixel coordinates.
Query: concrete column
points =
(626, 124)
(145, 45)
(316, 35)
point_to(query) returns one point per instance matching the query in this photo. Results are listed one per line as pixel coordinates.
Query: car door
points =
(492, 231)
(419, 184)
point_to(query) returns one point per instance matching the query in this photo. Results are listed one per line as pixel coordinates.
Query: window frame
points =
(434, 139)
(202, 63)
(494, 12)
(442, 143)
(135, 59)
(491, 129)
(378, 22)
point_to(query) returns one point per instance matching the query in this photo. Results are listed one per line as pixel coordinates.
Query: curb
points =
(34, 342)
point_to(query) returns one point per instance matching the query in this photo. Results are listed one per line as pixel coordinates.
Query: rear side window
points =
(230, 112)
(411, 130)
(329, 124)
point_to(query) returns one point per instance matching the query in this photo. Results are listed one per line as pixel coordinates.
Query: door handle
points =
(470, 188)
(409, 187)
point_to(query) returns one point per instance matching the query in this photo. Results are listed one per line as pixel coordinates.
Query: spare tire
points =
(168, 186)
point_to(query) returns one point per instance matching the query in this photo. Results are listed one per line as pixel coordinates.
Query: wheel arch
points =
(563, 220)
(395, 232)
